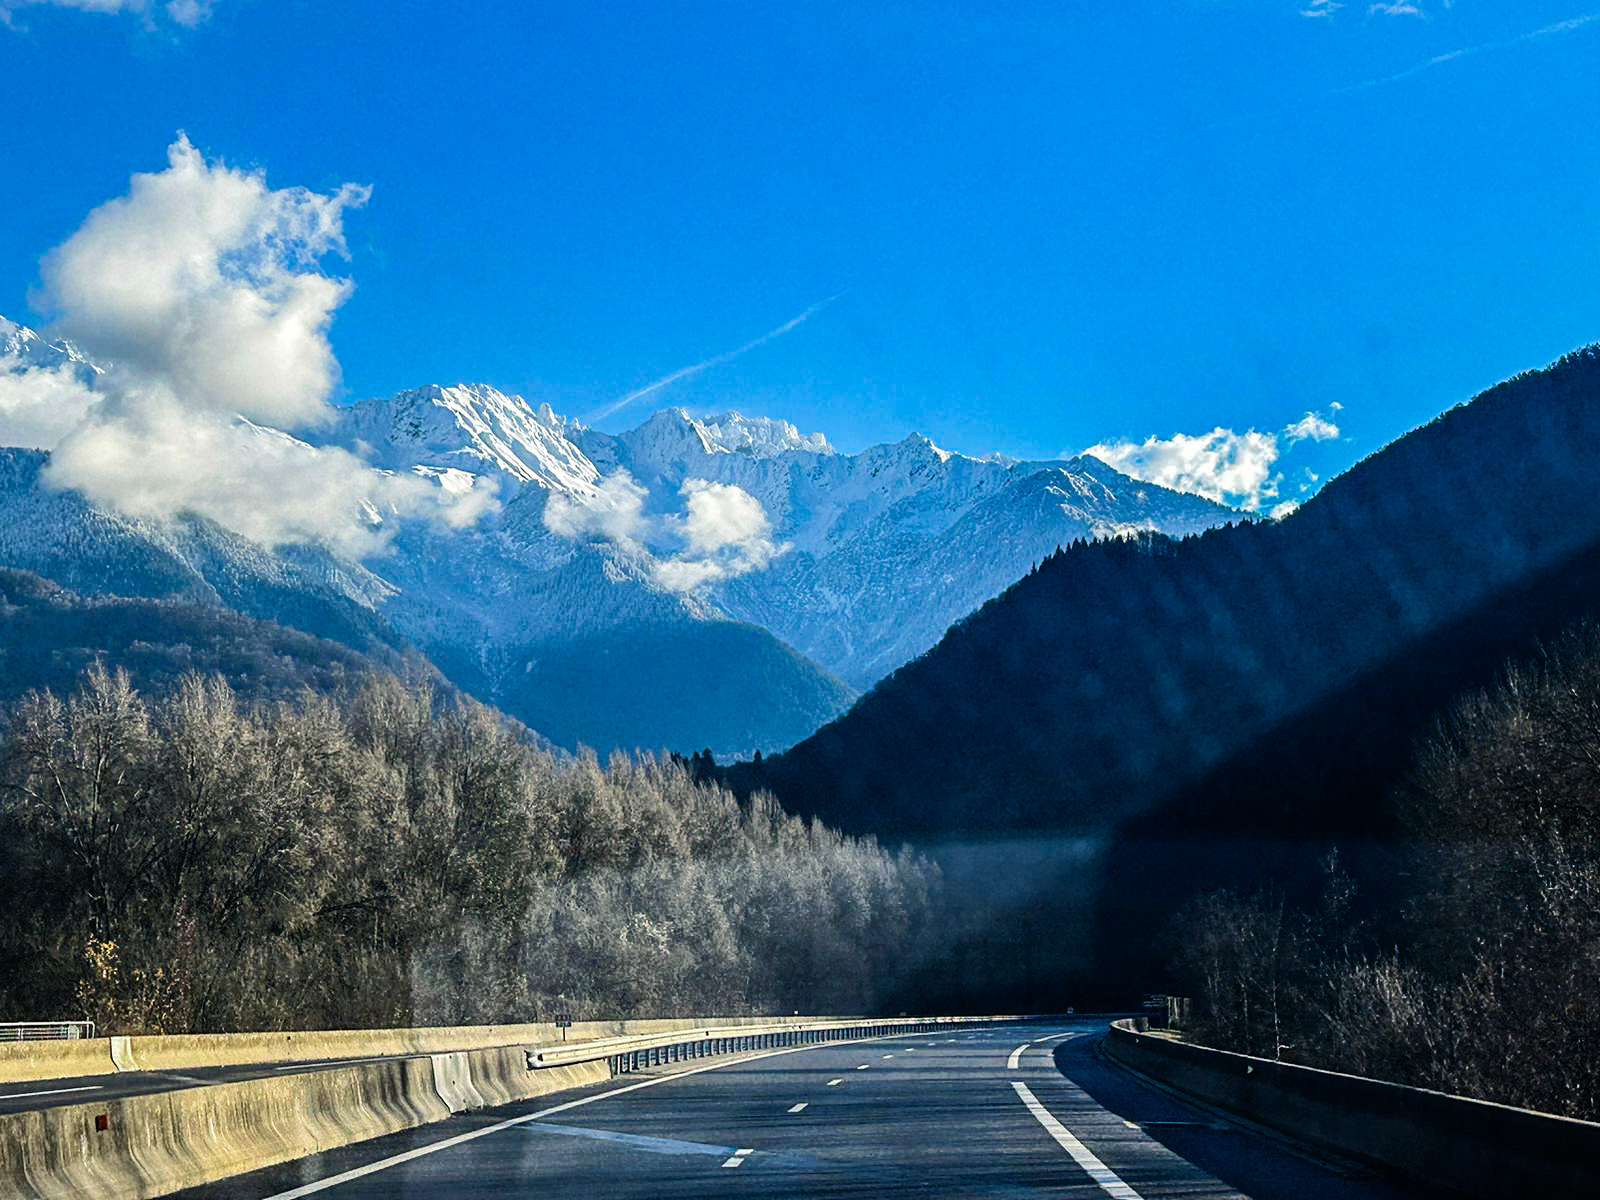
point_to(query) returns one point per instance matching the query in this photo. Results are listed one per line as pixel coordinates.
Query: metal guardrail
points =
(46, 1031)
(638, 1053)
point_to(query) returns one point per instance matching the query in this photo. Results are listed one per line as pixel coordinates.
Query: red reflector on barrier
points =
(102, 1122)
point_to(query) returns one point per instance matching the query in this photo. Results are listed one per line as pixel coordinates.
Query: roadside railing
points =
(623, 1055)
(45, 1031)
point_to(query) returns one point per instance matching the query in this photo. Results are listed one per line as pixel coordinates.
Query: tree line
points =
(1481, 978)
(390, 854)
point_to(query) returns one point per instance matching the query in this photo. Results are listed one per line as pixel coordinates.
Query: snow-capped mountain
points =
(811, 574)
(882, 550)
(22, 348)
(889, 547)
(468, 427)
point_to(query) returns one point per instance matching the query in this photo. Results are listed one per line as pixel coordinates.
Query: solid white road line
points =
(1016, 1056)
(394, 1160)
(738, 1158)
(1092, 1166)
(801, 1107)
(93, 1087)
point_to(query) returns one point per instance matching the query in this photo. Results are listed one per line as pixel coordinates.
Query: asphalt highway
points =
(1003, 1112)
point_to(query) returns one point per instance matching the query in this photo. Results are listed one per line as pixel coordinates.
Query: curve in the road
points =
(974, 1115)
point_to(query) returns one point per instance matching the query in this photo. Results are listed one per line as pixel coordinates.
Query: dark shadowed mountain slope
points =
(48, 635)
(1119, 672)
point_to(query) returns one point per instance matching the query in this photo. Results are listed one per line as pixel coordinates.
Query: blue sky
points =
(1042, 226)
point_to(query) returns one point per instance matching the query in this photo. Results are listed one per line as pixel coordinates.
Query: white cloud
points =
(188, 13)
(615, 512)
(687, 575)
(200, 292)
(262, 483)
(203, 282)
(1231, 468)
(722, 516)
(722, 532)
(1312, 427)
(40, 405)
(1383, 8)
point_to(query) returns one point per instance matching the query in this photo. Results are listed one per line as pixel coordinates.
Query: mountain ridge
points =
(847, 565)
(1118, 670)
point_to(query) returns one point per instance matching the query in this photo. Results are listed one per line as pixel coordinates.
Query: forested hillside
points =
(1119, 670)
(1222, 711)
(390, 854)
(50, 635)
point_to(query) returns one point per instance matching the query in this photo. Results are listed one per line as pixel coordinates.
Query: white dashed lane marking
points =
(738, 1157)
(801, 1107)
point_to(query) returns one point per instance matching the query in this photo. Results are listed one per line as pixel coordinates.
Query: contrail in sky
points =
(684, 372)
(1438, 59)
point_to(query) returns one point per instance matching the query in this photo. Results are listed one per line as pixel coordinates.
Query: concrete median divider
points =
(156, 1144)
(25, 1062)
(1487, 1150)
(151, 1145)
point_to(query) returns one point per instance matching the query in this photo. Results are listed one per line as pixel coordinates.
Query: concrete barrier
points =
(1488, 1150)
(25, 1062)
(155, 1144)
(22, 1062)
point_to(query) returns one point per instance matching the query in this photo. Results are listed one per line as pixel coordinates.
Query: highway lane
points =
(1001, 1112)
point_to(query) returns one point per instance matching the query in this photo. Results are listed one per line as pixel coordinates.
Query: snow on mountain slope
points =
(22, 348)
(470, 427)
(889, 547)
(868, 559)
(63, 538)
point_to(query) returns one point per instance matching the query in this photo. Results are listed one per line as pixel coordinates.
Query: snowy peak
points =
(672, 442)
(759, 437)
(918, 445)
(23, 349)
(474, 428)
(669, 437)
